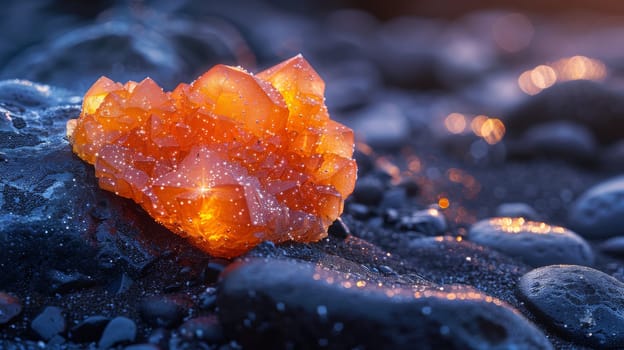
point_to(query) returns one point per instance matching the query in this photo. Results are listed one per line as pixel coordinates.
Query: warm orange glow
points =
(493, 130)
(444, 203)
(228, 161)
(393, 170)
(543, 76)
(580, 67)
(516, 225)
(535, 80)
(477, 123)
(414, 164)
(455, 123)
(364, 148)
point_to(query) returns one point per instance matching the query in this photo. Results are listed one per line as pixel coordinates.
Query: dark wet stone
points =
(118, 331)
(536, 243)
(49, 323)
(272, 303)
(369, 190)
(393, 198)
(163, 311)
(517, 210)
(61, 282)
(613, 246)
(10, 307)
(89, 330)
(591, 104)
(382, 126)
(205, 328)
(339, 229)
(213, 269)
(583, 304)
(159, 337)
(208, 298)
(129, 49)
(613, 156)
(412, 188)
(559, 139)
(51, 209)
(142, 347)
(120, 284)
(430, 222)
(599, 212)
(56, 341)
(365, 162)
(359, 211)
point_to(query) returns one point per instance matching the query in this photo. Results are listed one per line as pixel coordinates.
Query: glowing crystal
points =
(228, 161)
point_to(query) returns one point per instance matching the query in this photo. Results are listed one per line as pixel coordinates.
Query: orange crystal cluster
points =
(229, 161)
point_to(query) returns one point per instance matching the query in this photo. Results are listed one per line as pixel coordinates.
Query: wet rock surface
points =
(10, 307)
(599, 212)
(580, 302)
(49, 323)
(274, 302)
(115, 278)
(536, 243)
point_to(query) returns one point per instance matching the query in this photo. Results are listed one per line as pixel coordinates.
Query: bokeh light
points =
(533, 81)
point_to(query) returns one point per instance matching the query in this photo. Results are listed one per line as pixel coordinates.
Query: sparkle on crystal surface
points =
(229, 160)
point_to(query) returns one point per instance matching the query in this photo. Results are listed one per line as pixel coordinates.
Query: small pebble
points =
(10, 307)
(613, 246)
(369, 190)
(339, 229)
(89, 330)
(118, 331)
(561, 139)
(49, 323)
(517, 210)
(62, 282)
(599, 212)
(205, 328)
(430, 222)
(536, 243)
(212, 270)
(359, 211)
(163, 311)
(582, 303)
(208, 298)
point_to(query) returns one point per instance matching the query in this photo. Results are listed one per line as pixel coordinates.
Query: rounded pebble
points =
(536, 243)
(613, 246)
(163, 311)
(269, 303)
(49, 323)
(582, 303)
(205, 328)
(89, 330)
(561, 139)
(430, 222)
(119, 330)
(10, 307)
(517, 210)
(599, 212)
(369, 190)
